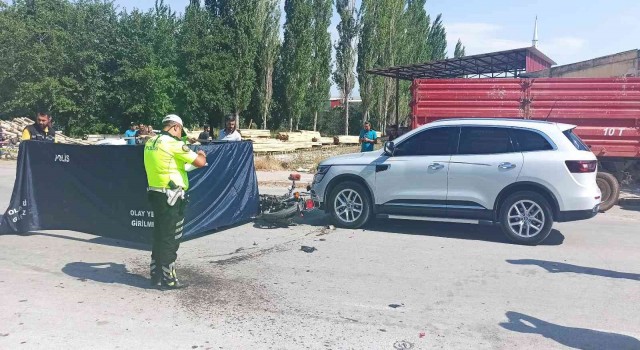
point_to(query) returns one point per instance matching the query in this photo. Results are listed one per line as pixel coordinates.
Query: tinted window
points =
(576, 141)
(432, 142)
(531, 141)
(479, 140)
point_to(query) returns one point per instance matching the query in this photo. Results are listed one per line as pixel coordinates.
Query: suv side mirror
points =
(389, 148)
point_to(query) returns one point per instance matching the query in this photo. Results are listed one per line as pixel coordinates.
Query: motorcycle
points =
(281, 210)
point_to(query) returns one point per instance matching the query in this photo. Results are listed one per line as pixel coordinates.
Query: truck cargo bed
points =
(606, 110)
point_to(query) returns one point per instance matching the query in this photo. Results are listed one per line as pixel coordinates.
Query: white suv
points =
(520, 174)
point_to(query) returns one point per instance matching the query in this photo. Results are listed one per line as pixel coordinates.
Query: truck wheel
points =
(350, 205)
(610, 188)
(526, 218)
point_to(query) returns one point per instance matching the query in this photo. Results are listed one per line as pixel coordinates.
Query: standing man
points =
(41, 130)
(368, 138)
(165, 158)
(230, 133)
(392, 132)
(131, 134)
(205, 135)
(142, 134)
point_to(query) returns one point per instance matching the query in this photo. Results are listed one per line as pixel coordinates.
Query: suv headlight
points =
(320, 173)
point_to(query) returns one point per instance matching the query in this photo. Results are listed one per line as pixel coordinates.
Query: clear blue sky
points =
(569, 30)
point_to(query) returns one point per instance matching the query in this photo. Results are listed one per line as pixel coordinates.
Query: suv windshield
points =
(575, 140)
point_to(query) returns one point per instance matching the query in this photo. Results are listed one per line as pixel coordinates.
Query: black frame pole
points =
(397, 98)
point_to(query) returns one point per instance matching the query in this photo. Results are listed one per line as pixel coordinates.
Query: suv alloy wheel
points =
(350, 204)
(526, 217)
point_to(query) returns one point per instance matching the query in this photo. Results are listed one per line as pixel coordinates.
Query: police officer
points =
(165, 158)
(41, 130)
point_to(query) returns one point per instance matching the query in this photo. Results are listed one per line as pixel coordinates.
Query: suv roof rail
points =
(494, 119)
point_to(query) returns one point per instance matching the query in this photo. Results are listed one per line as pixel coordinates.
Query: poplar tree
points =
(321, 54)
(344, 75)
(296, 58)
(267, 54)
(459, 51)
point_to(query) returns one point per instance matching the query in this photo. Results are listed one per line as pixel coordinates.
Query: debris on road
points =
(403, 345)
(325, 230)
(395, 306)
(350, 319)
(422, 334)
(308, 249)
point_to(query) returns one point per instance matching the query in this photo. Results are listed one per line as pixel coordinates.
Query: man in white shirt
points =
(230, 133)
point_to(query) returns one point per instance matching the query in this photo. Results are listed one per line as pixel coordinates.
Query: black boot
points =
(156, 273)
(169, 277)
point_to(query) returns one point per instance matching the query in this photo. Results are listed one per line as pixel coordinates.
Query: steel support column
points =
(397, 98)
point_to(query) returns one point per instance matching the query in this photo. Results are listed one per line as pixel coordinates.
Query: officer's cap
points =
(172, 118)
(176, 119)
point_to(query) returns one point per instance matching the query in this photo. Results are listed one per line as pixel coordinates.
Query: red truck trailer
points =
(605, 110)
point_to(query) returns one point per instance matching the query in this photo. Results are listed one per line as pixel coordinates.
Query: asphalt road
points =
(394, 285)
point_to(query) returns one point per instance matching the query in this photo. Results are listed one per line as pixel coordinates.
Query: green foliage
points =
(394, 32)
(296, 59)
(459, 51)
(320, 84)
(97, 68)
(344, 75)
(267, 54)
(327, 122)
(417, 47)
(242, 21)
(438, 40)
(204, 68)
(368, 56)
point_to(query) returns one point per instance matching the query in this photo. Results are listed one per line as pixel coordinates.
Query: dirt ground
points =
(304, 160)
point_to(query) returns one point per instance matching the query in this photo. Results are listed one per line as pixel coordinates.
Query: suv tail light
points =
(582, 166)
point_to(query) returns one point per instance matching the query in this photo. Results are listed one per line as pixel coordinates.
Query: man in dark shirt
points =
(142, 130)
(142, 134)
(205, 136)
(392, 132)
(41, 130)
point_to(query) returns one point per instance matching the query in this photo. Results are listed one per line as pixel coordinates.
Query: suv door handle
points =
(506, 165)
(436, 166)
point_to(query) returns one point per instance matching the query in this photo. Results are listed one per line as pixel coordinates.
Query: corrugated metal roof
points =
(509, 63)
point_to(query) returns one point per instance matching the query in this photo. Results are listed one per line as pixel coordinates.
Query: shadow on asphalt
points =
(575, 338)
(435, 229)
(112, 242)
(312, 218)
(105, 273)
(558, 267)
(453, 230)
(120, 243)
(631, 206)
(219, 229)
